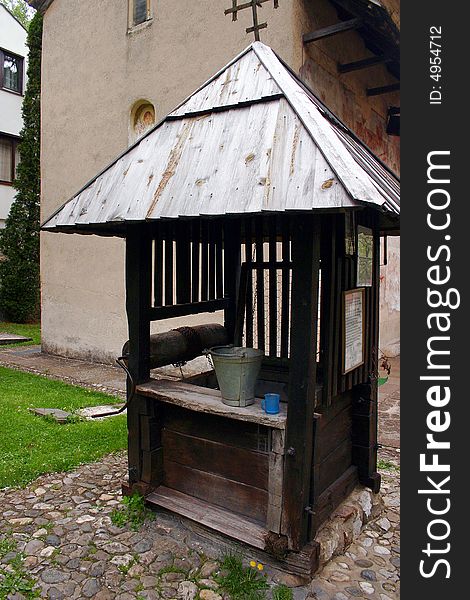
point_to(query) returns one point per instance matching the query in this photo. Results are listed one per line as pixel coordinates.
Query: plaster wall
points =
(94, 70)
(13, 39)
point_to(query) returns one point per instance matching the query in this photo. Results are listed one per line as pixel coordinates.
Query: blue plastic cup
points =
(270, 404)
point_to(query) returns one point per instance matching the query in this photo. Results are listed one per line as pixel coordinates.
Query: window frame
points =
(14, 147)
(132, 23)
(20, 59)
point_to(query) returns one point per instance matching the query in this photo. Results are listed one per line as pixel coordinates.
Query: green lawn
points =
(32, 331)
(31, 445)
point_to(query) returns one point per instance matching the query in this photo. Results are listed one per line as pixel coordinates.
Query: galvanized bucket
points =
(237, 370)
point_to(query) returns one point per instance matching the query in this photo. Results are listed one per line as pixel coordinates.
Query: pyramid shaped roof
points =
(251, 139)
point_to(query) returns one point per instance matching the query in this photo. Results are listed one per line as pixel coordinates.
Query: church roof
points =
(252, 139)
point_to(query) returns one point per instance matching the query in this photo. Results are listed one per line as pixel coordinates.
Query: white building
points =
(13, 64)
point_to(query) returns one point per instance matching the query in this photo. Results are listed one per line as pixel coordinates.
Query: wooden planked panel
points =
(195, 254)
(332, 497)
(336, 432)
(272, 287)
(242, 499)
(223, 521)
(251, 436)
(285, 292)
(334, 465)
(260, 316)
(230, 462)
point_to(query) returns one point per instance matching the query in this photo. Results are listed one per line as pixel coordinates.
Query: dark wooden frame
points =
(361, 290)
(20, 59)
(14, 145)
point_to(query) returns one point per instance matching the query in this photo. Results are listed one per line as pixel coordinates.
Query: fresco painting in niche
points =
(144, 119)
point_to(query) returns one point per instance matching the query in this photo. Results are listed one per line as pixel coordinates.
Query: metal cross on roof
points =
(254, 5)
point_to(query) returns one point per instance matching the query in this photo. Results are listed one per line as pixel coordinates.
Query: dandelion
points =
(253, 564)
(260, 567)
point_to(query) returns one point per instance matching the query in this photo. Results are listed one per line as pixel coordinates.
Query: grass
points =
(32, 331)
(13, 577)
(386, 465)
(31, 445)
(133, 512)
(282, 592)
(239, 582)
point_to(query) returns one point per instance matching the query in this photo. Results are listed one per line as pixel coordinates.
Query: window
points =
(11, 72)
(9, 158)
(140, 11)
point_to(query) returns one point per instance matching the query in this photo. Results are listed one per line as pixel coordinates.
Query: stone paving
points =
(61, 529)
(57, 536)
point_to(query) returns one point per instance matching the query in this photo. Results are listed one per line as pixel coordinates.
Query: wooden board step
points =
(235, 526)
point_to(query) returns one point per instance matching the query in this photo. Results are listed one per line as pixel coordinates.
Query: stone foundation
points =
(345, 524)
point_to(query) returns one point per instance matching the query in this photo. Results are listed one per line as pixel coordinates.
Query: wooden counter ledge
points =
(206, 400)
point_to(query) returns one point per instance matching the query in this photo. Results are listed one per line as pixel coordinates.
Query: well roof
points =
(252, 139)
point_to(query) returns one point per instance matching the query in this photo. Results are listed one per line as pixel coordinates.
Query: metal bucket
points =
(237, 370)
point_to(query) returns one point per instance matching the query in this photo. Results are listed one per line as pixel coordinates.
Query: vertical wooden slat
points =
(204, 261)
(231, 273)
(302, 379)
(219, 269)
(338, 327)
(212, 275)
(195, 253)
(169, 269)
(272, 287)
(285, 312)
(241, 306)
(183, 263)
(260, 318)
(328, 271)
(349, 285)
(158, 270)
(249, 282)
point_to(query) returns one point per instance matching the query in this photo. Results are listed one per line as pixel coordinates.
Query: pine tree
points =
(19, 241)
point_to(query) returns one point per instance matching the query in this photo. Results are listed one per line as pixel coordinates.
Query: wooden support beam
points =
(232, 263)
(362, 64)
(302, 379)
(325, 32)
(138, 301)
(385, 89)
(191, 308)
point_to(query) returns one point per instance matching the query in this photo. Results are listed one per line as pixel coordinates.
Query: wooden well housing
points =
(265, 480)
(247, 199)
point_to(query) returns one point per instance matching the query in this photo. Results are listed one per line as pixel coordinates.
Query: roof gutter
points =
(40, 5)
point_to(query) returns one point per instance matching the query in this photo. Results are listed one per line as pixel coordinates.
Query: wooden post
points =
(302, 379)
(232, 264)
(366, 395)
(138, 299)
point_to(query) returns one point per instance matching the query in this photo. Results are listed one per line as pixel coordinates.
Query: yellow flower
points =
(260, 567)
(253, 564)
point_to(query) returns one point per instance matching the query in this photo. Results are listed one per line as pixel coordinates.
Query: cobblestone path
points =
(58, 536)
